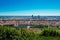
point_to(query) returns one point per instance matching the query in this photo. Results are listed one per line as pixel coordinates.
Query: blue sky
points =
(30, 7)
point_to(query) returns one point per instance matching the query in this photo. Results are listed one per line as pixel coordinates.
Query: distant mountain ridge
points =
(29, 16)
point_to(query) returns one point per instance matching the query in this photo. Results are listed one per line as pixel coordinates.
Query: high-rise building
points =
(32, 17)
(38, 17)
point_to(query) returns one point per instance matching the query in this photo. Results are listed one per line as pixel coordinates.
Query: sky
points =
(29, 7)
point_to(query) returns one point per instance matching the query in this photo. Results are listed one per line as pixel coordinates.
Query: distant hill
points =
(43, 17)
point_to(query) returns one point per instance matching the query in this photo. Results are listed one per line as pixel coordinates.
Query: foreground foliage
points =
(10, 33)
